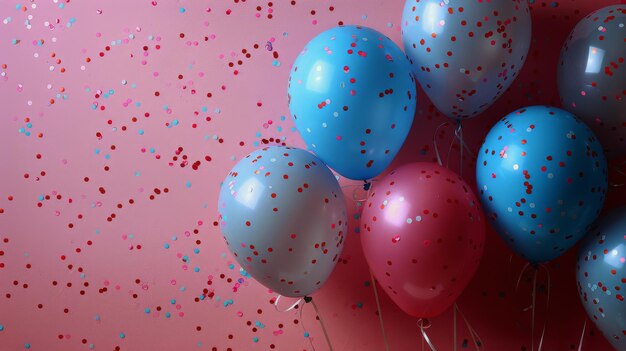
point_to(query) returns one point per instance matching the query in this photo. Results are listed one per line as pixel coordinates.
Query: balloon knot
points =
(366, 185)
(308, 299)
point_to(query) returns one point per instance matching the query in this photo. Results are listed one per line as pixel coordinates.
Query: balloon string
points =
(366, 186)
(545, 320)
(435, 143)
(380, 312)
(534, 306)
(288, 309)
(420, 323)
(621, 172)
(532, 330)
(519, 279)
(319, 316)
(582, 336)
(473, 334)
(459, 134)
(300, 315)
(454, 325)
(304, 329)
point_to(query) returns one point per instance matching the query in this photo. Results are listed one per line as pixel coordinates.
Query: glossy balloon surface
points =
(466, 54)
(352, 98)
(422, 233)
(601, 276)
(542, 178)
(283, 217)
(592, 76)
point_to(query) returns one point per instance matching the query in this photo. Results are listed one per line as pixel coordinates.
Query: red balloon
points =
(423, 235)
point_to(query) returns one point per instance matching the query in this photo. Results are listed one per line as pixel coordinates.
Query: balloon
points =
(423, 236)
(592, 76)
(352, 98)
(283, 216)
(542, 179)
(601, 276)
(465, 55)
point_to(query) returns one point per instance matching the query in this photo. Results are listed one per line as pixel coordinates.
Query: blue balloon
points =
(542, 178)
(284, 218)
(352, 98)
(601, 276)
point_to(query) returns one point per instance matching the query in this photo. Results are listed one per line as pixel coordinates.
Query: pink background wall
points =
(107, 239)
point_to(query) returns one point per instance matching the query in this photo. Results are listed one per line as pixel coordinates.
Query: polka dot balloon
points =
(542, 178)
(602, 277)
(466, 54)
(283, 217)
(423, 236)
(592, 76)
(352, 98)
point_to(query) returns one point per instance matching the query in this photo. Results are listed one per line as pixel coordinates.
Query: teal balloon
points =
(542, 179)
(352, 97)
(601, 276)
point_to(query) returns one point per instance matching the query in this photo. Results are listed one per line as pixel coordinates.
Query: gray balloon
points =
(592, 76)
(465, 55)
(283, 216)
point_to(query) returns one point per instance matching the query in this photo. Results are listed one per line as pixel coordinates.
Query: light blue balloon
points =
(352, 98)
(601, 276)
(542, 178)
(283, 216)
(466, 54)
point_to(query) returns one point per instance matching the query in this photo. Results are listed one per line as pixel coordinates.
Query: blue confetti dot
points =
(122, 335)
(27, 346)
(182, 10)
(167, 246)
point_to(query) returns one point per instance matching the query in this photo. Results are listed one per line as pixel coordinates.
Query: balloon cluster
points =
(541, 172)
